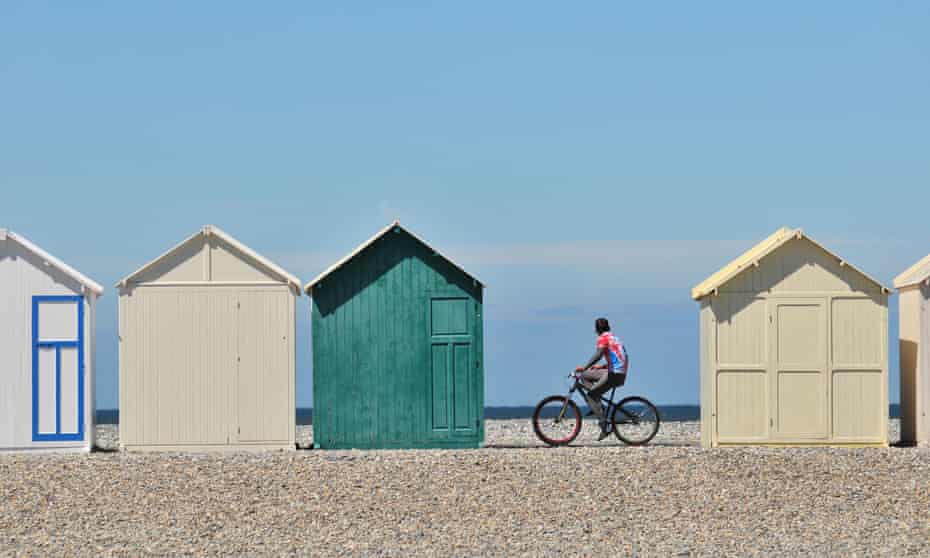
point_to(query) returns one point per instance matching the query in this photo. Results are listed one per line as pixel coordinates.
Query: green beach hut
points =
(397, 348)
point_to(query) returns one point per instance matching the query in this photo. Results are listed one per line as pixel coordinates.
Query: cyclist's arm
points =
(593, 360)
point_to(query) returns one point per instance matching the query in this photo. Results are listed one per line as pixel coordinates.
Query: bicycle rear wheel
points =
(557, 420)
(635, 421)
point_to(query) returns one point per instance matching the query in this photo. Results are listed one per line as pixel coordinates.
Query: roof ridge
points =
(364, 245)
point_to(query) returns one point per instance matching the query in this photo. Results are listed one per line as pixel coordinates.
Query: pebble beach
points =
(513, 497)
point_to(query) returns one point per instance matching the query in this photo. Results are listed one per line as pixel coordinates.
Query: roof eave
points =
(85, 281)
(914, 275)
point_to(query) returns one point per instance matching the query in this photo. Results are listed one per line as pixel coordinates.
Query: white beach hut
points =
(46, 350)
(207, 349)
(914, 337)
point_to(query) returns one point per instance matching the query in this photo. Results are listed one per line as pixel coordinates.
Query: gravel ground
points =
(511, 498)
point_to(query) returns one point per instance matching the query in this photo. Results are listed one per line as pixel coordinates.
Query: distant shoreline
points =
(669, 413)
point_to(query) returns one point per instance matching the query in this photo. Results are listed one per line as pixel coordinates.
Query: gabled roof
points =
(93, 286)
(212, 230)
(917, 273)
(361, 248)
(752, 257)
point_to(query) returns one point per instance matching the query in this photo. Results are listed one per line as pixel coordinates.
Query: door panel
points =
(185, 354)
(462, 387)
(47, 388)
(449, 316)
(264, 368)
(800, 379)
(68, 376)
(440, 386)
(801, 404)
(58, 320)
(857, 411)
(742, 409)
(800, 335)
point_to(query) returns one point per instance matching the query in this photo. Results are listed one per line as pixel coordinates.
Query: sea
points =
(669, 413)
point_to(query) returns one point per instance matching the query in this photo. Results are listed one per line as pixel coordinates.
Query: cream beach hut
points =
(47, 312)
(207, 349)
(914, 319)
(793, 348)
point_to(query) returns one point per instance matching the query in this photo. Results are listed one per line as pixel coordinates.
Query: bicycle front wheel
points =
(635, 421)
(557, 420)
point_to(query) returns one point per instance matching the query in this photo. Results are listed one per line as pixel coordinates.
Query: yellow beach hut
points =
(793, 348)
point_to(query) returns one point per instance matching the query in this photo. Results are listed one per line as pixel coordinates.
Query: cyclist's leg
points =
(595, 381)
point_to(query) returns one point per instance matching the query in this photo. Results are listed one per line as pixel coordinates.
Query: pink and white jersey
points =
(616, 352)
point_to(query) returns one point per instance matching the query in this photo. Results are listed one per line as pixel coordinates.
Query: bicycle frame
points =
(611, 405)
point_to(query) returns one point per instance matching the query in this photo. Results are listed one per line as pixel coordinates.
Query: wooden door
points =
(452, 395)
(798, 382)
(263, 394)
(57, 368)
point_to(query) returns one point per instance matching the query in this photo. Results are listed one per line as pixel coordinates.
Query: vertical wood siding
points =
(923, 376)
(913, 373)
(206, 366)
(397, 354)
(22, 276)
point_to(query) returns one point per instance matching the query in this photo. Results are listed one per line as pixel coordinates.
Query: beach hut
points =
(207, 349)
(397, 348)
(914, 319)
(47, 312)
(793, 348)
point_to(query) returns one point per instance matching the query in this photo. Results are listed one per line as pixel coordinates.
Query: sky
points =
(581, 159)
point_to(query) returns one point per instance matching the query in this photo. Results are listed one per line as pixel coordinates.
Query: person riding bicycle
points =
(598, 378)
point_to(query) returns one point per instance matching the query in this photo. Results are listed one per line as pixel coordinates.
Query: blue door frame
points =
(37, 344)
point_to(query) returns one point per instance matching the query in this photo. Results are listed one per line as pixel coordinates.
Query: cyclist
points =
(598, 378)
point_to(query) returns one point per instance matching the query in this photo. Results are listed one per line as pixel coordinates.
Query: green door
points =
(452, 397)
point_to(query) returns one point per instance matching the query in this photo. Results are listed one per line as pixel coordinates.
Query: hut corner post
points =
(707, 397)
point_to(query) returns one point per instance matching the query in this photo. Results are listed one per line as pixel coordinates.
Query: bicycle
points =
(557, 419)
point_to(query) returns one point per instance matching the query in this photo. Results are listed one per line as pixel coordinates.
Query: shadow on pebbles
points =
(513, 497)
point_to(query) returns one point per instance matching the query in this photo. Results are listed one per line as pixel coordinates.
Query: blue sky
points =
(583, 160)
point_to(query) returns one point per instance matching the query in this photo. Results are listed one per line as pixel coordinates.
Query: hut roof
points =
(212, 230)
(917, 273)
(752, 257)
(363, 246)
(52, 261)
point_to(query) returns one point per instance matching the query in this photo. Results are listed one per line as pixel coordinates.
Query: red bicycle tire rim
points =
(571, 435)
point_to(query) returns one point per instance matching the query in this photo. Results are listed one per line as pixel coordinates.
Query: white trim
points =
(212, 230)
(52, 261)
(913, 275)
(213, 284)
(396, 224)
